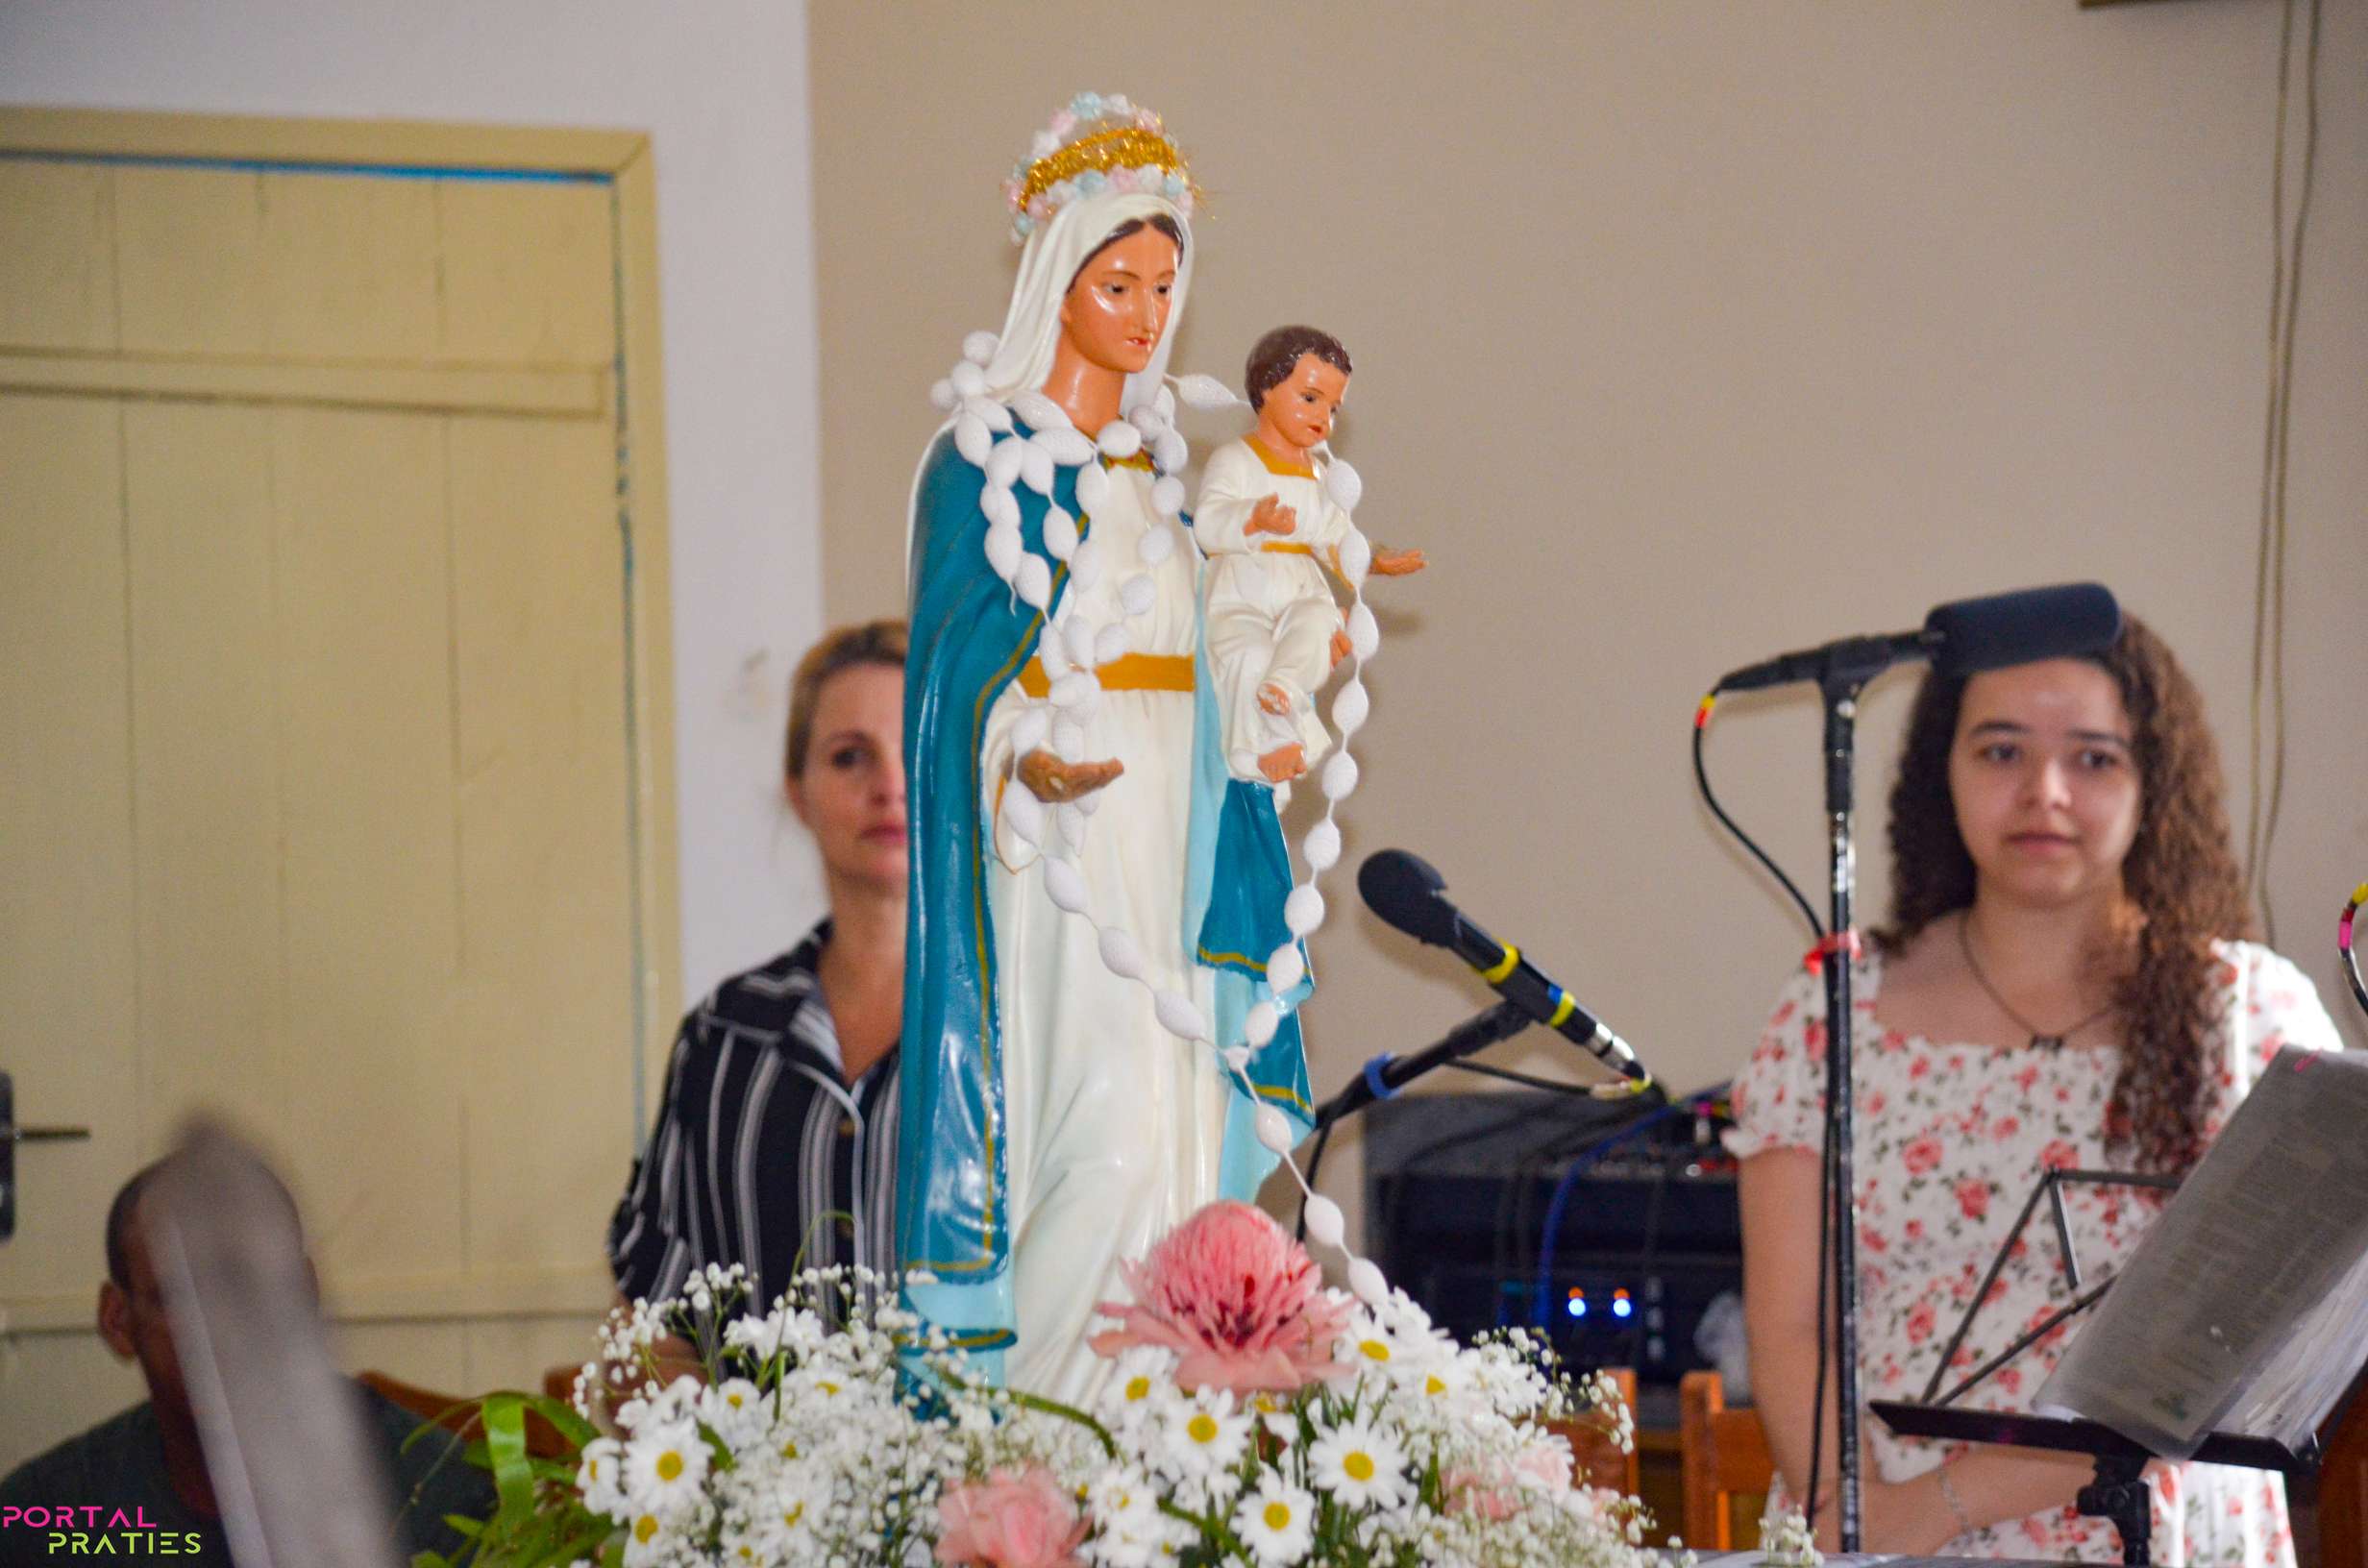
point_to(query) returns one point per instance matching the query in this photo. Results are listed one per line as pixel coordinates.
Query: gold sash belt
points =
(1127, 673)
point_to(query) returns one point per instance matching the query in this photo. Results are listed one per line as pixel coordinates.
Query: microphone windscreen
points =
(1403, 889)
(2068, 621)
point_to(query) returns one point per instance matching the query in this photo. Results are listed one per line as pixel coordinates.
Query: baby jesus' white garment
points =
(1270, 612)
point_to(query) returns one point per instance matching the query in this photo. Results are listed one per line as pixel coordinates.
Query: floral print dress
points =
(1950, 1139)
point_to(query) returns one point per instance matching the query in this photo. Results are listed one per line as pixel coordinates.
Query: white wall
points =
(721, 86)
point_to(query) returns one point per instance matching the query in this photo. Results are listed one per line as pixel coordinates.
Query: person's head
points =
(132, 1316)
(2084, 781)
(1115, 311)
(843, 760)
(1296, 380)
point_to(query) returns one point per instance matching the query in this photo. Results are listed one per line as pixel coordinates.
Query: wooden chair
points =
(543, 1439)
(1726, 1464)
(2343, 1483)
(1596, 1460)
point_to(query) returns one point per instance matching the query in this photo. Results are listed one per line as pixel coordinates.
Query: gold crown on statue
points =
(1099, 143)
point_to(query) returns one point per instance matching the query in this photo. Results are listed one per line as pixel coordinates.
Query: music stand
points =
(2119, 1492)
(2288, 1113)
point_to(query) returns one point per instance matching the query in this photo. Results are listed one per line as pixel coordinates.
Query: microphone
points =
(1963, 638)
(1403, 889)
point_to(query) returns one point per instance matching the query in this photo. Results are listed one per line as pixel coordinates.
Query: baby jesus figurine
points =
(1271, 533)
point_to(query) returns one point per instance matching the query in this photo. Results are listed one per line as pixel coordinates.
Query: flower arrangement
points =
(1250, 1418)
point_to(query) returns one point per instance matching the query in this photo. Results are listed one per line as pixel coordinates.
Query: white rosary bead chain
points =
(1076, 648)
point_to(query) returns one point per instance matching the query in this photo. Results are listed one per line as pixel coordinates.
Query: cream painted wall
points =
(1687, 332)
(720, 84)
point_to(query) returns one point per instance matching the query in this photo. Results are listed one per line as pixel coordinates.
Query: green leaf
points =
(584, 1542)
(562, 1415)
(506, 1451)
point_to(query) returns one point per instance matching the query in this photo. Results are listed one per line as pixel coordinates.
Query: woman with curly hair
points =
(2064, 982)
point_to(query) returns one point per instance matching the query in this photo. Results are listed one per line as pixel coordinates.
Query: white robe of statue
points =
(1116, 1126)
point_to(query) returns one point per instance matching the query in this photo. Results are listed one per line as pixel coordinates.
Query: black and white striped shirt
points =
(763, 1154)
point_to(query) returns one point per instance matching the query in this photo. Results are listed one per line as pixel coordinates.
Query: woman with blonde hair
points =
(776, 1146)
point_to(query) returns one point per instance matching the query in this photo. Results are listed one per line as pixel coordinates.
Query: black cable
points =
(2269, 571)
(1702, 777)
(1581, 1091)
(1827, 1200)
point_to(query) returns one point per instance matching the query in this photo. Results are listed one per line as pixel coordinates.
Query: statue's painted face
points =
(1116, 309)
(1301, 406)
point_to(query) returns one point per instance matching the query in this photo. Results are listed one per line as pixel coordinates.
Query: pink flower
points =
(1921, 1322)
(1921, 1155)
(1470, 1492)
(1062, 124)
(1122, 180)
(1496, 1493)
(1545, 1465)
(1012, 1519)
(1236, 1299)
(1973, 1197)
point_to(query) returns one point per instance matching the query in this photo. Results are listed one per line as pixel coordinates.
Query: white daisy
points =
(1359, 1464)
(1277, 1521)
(601, 1477)
(647, 1541)
(736, 1411)
(1141, 1388)
(1397, 1341)
(1202, 1437)
(664, 1467)
(1129, 1532)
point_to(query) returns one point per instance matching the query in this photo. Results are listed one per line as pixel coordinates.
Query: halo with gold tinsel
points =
(1101, 142)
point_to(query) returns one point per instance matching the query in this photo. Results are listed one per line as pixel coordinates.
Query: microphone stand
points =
(1840, 686)
(1386, 1074)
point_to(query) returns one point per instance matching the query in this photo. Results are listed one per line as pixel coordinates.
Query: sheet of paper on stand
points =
(2245, 1310)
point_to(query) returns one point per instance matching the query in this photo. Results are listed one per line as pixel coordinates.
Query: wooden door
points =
(331, 657)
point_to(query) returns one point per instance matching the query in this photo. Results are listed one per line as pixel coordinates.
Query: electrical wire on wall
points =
(2267, 706)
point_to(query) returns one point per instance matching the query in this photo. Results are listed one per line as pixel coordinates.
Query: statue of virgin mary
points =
(1091, 894)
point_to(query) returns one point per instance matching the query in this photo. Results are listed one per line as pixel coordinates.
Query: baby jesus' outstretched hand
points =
(1398, 563)
(1270, 516)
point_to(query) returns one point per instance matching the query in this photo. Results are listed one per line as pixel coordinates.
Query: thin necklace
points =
(2040, 1039)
